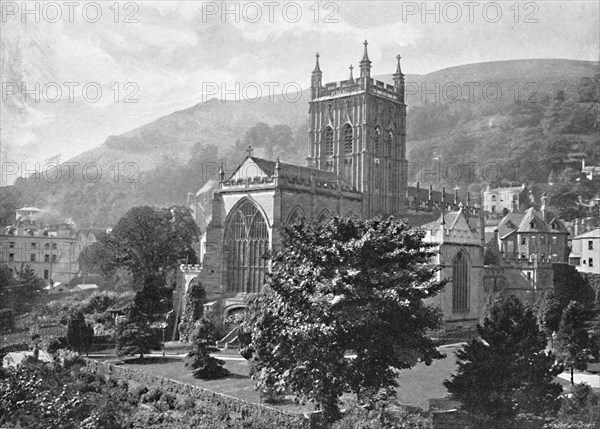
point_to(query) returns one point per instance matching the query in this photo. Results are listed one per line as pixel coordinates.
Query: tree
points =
(549, 313)
(135, 336)
(6, 283)
(572, 338)
(194, 309)
(27, 288)
(80, 335)
(345, 285)
(203, 344)
(506, 370)
(151, 241)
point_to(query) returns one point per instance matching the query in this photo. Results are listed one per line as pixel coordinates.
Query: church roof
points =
(449, 220)
(294, 170)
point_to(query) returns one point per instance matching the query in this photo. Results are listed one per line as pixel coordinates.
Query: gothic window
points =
(347, 139)
(389, 143)
(246, 242)
(376, 142)
(324, 216)
(296, 216)
(328, 141)
(460, 282)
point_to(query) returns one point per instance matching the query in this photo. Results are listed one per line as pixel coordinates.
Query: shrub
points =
(139, 391)
(153, 395)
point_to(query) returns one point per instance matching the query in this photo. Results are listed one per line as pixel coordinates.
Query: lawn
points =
(417, 385)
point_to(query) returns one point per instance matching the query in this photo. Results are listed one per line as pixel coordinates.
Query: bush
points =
(140, 391)
(153, 395)
(382, 416)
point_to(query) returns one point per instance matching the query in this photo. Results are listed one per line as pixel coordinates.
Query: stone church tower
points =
(357, 129)
(356, 168)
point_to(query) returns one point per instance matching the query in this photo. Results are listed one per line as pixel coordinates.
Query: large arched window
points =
(348, 139)
(328, 137)
(246, 242)
(460, 282)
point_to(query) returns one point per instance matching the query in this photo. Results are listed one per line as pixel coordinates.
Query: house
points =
(16, 359)
(499, 200)
(52, 251)
(585, 253)
(529, 236)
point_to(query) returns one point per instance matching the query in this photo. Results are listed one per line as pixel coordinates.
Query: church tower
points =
(357, 129)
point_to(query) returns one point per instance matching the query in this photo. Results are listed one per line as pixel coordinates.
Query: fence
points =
(278, 418)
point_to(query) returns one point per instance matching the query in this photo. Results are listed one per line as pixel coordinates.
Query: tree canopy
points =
(506, 370)
(345, 286)
(151, 241)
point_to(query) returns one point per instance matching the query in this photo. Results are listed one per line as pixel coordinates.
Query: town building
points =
(585, 253)
(52, 251)
(529, 236)
(498, 201)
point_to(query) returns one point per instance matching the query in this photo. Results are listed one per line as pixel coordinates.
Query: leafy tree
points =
(549, 313)
(194, 309)
(136, 336)
(203, 344)
(6, 282)
(578, 405)
(151, 241)
(506, 370)
(27, 287)
(345, 285)
(80, 335)
(572, 338)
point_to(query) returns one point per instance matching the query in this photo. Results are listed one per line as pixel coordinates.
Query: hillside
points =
(554, 115)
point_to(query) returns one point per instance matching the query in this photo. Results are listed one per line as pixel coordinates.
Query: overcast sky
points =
(176, 46)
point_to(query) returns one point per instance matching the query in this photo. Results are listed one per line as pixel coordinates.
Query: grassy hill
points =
(543, 111)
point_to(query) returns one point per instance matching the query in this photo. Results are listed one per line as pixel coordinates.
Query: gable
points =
(248, 169)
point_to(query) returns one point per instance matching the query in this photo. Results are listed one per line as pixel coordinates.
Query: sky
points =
(152, 58)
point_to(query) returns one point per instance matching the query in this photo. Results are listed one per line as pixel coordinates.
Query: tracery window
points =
(460, 282)
(328, 142)
(376, 142)
(348, 139)
(296, 216)
(324, 216)
(246, 243)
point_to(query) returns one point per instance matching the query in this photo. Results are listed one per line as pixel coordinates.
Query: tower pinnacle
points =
(365, 63)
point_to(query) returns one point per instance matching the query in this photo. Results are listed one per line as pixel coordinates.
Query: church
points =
(356, 166)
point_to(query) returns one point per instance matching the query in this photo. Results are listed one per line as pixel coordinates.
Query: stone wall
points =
(233, 405)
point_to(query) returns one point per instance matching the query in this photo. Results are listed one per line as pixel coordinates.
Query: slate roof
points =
(450, 219)
(521, 222)
(594, 233)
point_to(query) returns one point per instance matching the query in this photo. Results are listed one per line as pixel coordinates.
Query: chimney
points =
(544, 198)
(576, 227)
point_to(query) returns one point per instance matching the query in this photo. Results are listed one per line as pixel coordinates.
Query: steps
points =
(229, 341)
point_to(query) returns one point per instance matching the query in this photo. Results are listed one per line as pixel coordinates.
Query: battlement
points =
(298, 180)
(350, 86)
(190, 268)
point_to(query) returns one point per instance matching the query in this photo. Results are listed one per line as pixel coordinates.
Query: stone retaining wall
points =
(277, 417)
